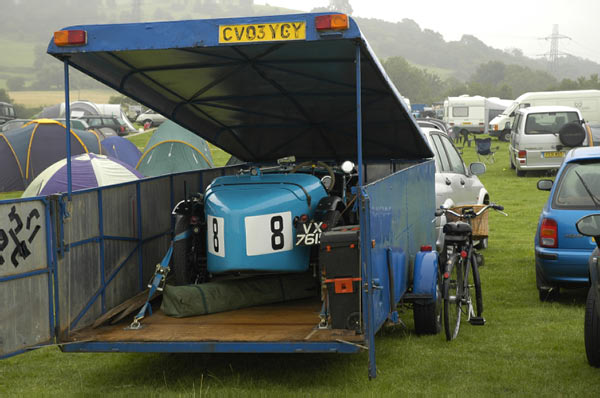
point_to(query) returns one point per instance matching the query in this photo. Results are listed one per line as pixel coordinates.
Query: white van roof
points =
(547, 109)
(554, 94)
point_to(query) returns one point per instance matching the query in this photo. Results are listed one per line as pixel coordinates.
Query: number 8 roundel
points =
(269, 233)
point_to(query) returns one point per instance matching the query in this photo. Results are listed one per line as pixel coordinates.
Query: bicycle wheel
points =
(453, 291)
(476, 283)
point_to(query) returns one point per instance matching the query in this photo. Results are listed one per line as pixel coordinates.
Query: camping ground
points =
(526, 348)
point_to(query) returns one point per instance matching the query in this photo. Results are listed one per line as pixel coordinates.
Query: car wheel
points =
(592, 329)
(504, 135)
(512, 165)
(546, 291)
(572, 134)
(521, 173)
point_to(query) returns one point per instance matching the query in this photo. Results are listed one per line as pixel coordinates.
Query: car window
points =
(571, 192)
(456, 163)
(440, 152)
(94, 122)
(548, 122)
(515, 126)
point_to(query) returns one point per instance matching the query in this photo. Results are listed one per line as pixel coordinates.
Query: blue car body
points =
(567, 263)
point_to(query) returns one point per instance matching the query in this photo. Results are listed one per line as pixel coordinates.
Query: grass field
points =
(33, 99)
(527, 348)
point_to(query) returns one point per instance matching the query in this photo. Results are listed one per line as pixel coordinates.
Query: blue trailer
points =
(306, 88)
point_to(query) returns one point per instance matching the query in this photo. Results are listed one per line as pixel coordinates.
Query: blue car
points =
(561, 252)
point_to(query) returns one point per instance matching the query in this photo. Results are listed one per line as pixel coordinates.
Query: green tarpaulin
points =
(227, 295)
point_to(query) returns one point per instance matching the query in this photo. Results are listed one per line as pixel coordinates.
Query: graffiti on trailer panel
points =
(20, 234)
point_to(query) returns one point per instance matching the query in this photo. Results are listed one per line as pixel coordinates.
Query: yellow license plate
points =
(466, 123)
(279, 31)
(554, 154)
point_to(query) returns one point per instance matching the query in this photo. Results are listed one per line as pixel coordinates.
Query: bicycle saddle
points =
(457, 228)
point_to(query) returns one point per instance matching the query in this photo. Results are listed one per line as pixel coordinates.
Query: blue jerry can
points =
(250, 221)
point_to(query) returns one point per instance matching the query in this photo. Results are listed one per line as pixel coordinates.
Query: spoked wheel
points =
(453, 292)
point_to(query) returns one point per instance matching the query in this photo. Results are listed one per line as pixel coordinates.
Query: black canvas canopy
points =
(259, 100)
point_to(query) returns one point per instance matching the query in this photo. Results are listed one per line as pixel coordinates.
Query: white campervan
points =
(587, 101)
(472, 114)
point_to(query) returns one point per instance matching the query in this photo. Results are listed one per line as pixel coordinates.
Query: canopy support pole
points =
(68, 127)
(363, 210)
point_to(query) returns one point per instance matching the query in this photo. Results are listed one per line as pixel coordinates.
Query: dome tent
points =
(27, 151)
(173, 149)
(121, 149)
(87, 171)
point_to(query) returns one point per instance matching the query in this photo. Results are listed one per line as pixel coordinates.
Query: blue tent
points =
(122, 149)
(27, 151)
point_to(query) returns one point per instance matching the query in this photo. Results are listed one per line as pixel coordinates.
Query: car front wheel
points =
(592, 328)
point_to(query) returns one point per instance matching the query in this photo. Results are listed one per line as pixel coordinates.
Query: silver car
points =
(455, 184)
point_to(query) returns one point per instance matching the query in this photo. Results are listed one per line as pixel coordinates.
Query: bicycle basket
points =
(479, 224)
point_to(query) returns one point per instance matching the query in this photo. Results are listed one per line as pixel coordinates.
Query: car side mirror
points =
(545, 185)
(589, 226)
(477, 168)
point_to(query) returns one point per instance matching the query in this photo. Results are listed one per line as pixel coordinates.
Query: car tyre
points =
(546, 291)
(592, 328)
(571, 134)
(521, 173)
(332, 219)
(504, 135)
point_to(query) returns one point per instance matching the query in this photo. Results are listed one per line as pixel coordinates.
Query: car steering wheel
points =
(313, 164)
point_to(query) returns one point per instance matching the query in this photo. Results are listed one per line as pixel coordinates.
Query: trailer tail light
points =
(549, 233)
(64, 38)
(332, 22)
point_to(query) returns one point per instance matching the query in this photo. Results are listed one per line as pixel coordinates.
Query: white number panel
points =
(215, 235)
(269, 233)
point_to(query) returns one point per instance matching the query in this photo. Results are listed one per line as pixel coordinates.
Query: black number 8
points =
(215, 228)
(277, 229)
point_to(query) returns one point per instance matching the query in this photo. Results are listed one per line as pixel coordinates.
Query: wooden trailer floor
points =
(290, 321)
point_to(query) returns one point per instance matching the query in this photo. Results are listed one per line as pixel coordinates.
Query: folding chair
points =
(484, 150)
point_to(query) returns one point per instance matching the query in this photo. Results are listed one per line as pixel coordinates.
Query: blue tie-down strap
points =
(158, 280)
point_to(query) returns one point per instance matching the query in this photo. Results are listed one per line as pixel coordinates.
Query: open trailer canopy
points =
(261, 88)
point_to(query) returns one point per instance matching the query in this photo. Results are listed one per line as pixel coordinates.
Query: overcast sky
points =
(501, 24)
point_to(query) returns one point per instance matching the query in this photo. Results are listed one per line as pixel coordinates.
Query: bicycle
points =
(461, 273)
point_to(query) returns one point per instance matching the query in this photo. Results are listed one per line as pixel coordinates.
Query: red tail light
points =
(549, 233)
(522, 154)
(122, 129)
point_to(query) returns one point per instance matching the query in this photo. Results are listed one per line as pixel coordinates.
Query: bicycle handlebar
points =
(494, 206)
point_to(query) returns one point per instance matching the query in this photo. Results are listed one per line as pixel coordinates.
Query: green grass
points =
(527, 348)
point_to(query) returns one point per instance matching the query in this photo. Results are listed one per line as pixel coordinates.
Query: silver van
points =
(542, 135)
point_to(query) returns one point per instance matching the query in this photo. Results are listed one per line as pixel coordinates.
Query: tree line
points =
(491, 79)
